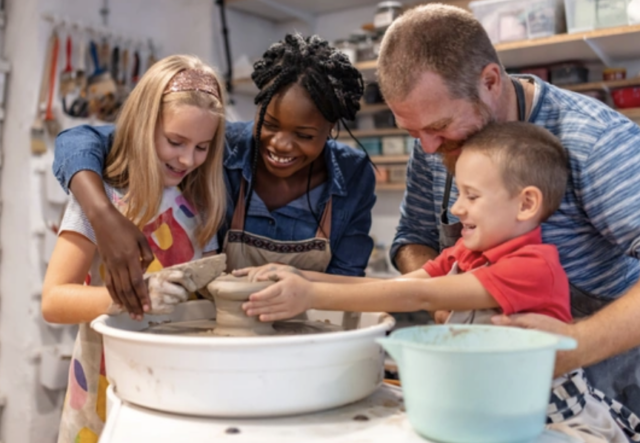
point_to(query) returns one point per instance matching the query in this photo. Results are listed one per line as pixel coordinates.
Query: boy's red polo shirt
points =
(523, 275)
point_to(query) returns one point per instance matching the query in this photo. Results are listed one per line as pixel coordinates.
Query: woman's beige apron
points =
(244, 249)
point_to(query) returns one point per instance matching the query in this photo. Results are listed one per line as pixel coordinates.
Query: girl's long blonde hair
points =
(134, 164)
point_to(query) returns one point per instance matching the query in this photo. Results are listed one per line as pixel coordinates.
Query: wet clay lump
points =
(229, 293)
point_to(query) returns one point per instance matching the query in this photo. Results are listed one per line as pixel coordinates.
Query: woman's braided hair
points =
(334, 84)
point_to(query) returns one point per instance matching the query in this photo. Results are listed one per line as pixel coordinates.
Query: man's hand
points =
(262, 273)
(290, 296)
(565, 360)
(440, 317)
(126, 255)
(167, 289)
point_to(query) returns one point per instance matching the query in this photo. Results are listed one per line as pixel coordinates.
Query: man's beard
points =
(450, 149)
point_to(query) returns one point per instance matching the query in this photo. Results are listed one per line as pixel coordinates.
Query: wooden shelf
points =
(632, 113)
(244, 86)
(286, 10)
(372, 109)
(377, 132)
(369, 65)
(389, 159)
(607, 45)
(613, 44)
(604, 85)
(391, 186)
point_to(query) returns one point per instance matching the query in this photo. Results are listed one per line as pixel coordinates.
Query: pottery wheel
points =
(205, 328)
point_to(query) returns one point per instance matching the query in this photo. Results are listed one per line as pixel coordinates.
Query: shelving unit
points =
(377, 132)
(605, 85)
(608, 45)
(389, 159)
(285, 10)
(391, 186)
(244, 86)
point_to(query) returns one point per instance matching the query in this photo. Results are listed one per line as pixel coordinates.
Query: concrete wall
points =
(31, 414)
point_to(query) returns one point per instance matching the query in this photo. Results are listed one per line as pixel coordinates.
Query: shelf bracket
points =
(604, 58)
(307, 18)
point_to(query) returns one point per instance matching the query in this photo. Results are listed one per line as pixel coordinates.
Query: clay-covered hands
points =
(263, 273)
(167, 289)
(290, 296)
(565, 360)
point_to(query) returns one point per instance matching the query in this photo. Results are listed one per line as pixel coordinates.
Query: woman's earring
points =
(334, 132)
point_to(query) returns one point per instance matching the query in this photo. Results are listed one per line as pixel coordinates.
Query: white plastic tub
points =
(243, 376)
(509, 20)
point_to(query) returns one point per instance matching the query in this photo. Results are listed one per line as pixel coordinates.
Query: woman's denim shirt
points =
(350, 183)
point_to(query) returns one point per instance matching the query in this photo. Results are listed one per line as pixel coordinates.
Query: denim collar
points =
(238, 158)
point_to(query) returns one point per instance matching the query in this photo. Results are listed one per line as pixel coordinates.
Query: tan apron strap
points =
(324, 230)
(237, 222)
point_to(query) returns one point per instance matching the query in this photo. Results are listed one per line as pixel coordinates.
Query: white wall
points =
(32, 412)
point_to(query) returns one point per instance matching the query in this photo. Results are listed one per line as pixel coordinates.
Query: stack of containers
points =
(509, 20)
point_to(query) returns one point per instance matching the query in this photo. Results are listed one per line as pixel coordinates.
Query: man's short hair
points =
(528, 155)
(442, 39)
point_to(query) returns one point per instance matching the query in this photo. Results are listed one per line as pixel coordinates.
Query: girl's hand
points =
(262, 273)
(167, 289)
(290, 296)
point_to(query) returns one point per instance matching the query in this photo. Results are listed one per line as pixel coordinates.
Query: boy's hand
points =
(262, 273)
(290, 296)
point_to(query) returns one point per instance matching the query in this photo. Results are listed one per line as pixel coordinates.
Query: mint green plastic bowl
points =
(476, 384)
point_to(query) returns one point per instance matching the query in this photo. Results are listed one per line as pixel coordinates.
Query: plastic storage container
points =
(384, 119)
(347, 47)
(372, 145)
(508, 20)
(393, 145)
(586, 15)
(568, 74)
(386, 13)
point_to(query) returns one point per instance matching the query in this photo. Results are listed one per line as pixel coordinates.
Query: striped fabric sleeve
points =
(610, 186)
(417, 216)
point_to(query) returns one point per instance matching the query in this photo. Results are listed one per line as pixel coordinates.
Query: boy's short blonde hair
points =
(528, 155)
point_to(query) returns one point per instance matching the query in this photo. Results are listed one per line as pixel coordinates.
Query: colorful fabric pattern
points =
(171, 236)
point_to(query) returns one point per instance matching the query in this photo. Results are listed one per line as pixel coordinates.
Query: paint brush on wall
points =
(100, 82)
(38, 143)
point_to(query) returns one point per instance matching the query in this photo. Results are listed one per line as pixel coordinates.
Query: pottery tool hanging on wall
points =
(67, 76)
(38, 144)
(50, 122)
(100, 83)
(136, 69)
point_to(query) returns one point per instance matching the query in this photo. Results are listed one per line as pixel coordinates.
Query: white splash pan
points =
(242, 376)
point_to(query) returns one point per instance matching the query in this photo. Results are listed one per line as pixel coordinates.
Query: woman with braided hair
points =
(296, 195)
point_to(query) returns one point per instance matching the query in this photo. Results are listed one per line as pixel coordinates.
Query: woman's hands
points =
(123, 248)
(126, 255)
(290, 296)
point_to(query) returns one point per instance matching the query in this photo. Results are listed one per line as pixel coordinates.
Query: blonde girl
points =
(165, 174)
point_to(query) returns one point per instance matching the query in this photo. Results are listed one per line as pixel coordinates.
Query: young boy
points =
(511, 177)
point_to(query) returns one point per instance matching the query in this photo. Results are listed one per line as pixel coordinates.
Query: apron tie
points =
(568, 400)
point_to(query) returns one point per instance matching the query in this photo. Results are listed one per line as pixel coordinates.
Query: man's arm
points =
(412, 257)
(416, 239)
